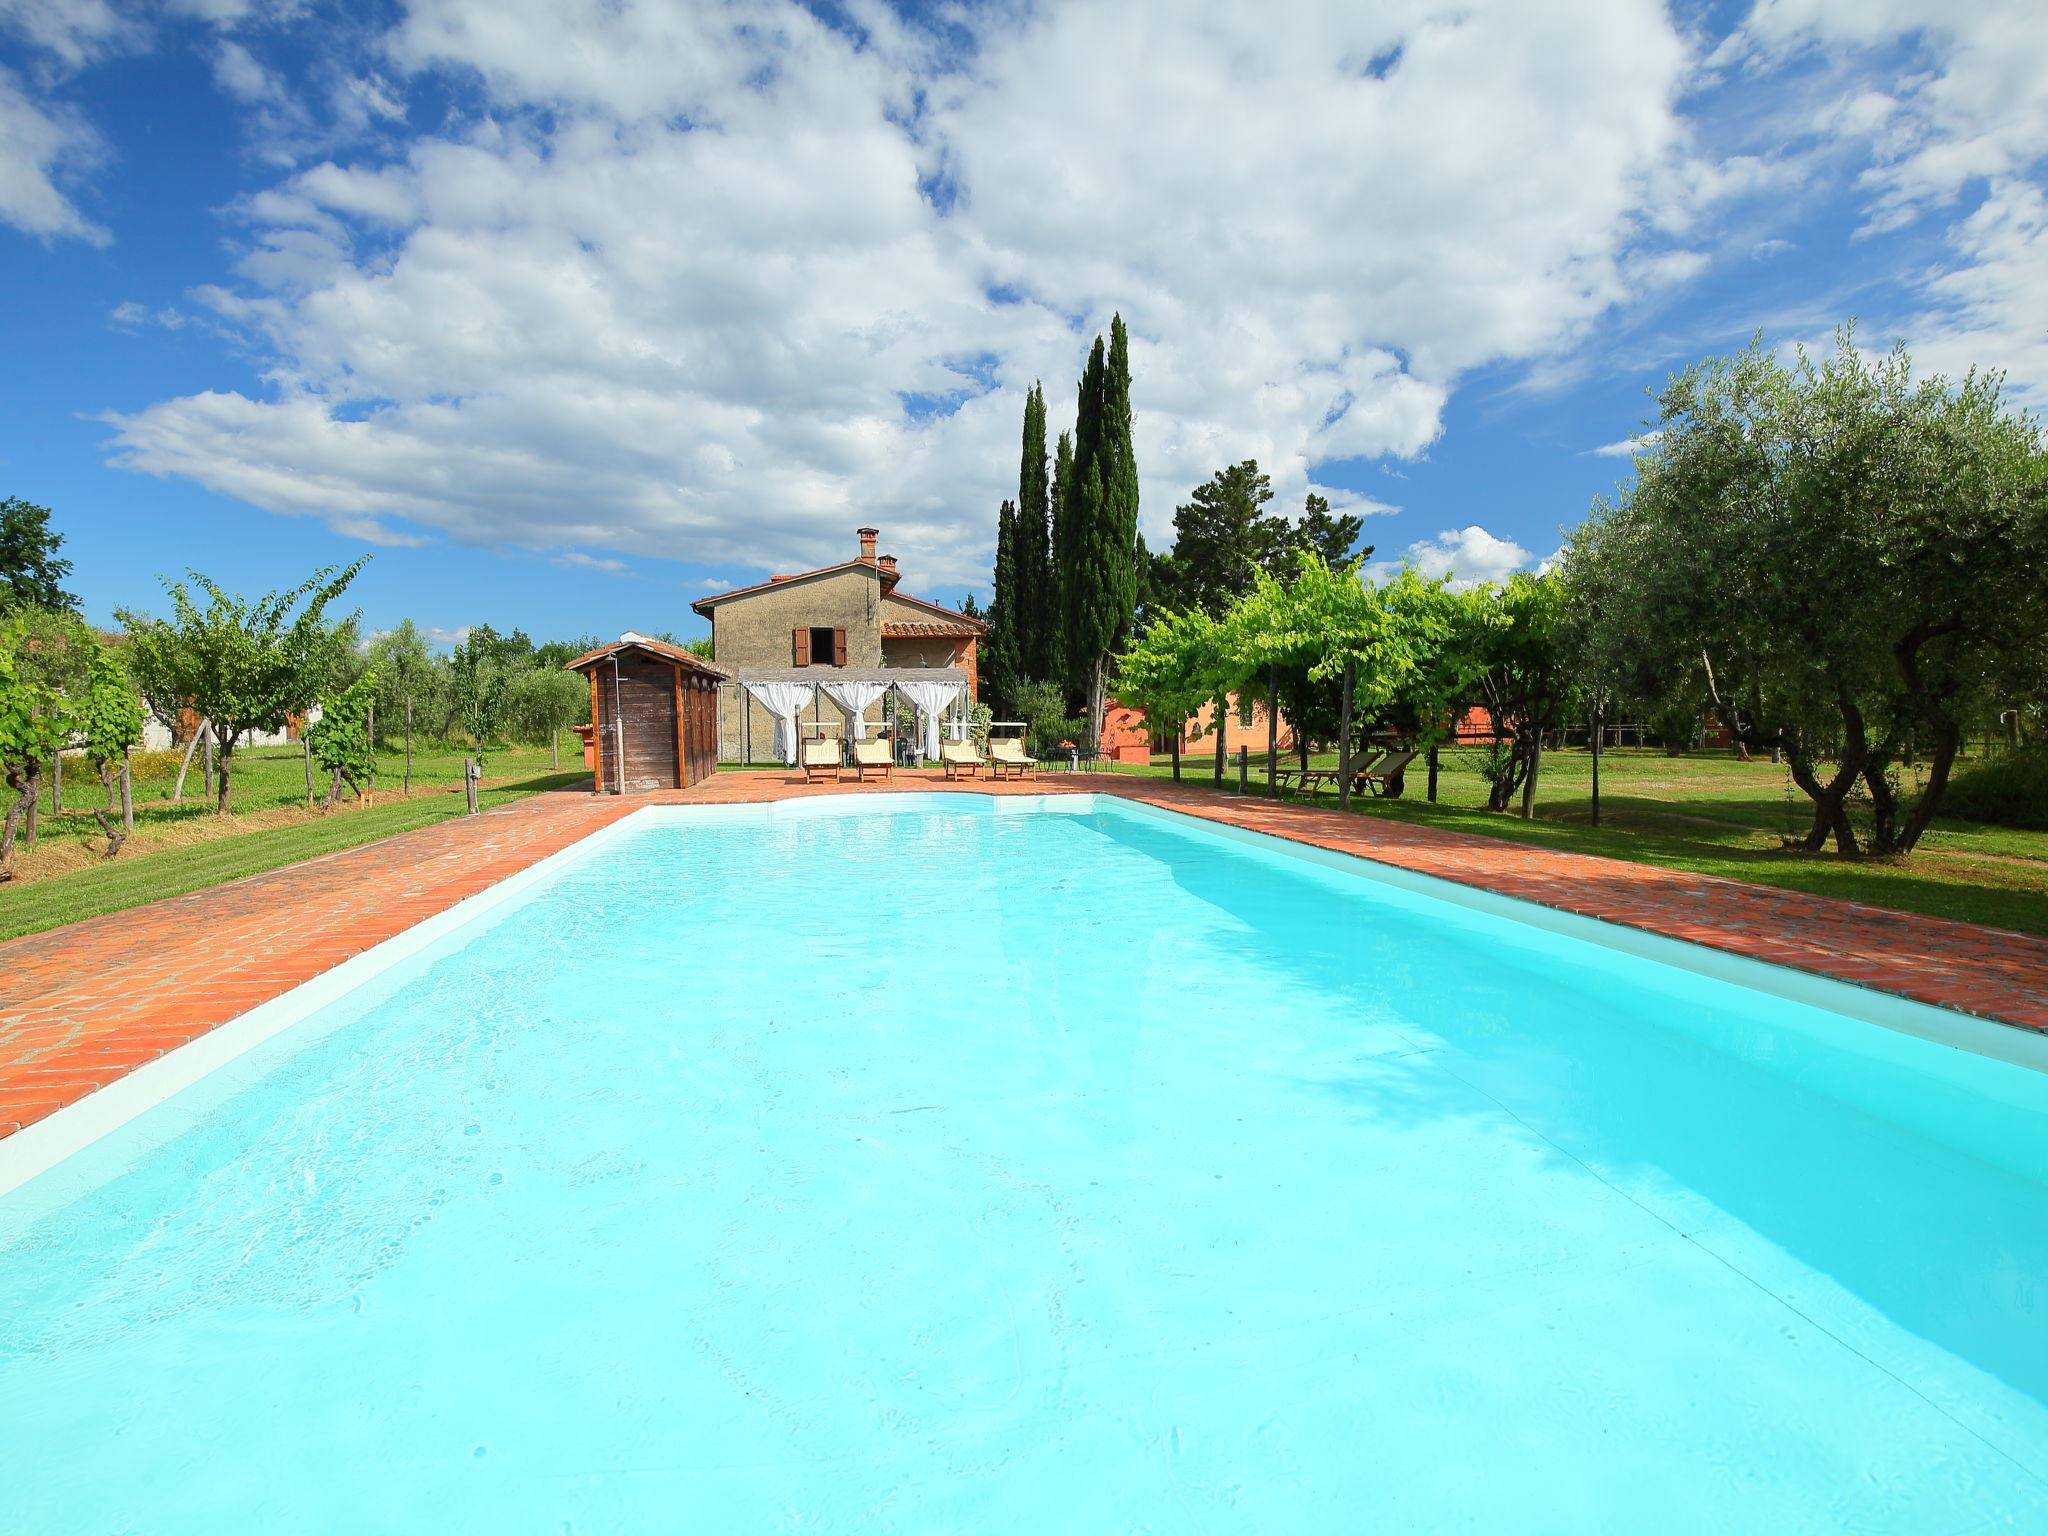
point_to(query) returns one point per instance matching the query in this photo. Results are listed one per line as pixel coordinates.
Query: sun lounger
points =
(821, 757)
(1006, 754)
(1375, 778)
(959, 757)
(871, 755)
(1315, 778)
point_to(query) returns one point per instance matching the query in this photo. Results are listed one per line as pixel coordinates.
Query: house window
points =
(1244, 710)
(818, 647)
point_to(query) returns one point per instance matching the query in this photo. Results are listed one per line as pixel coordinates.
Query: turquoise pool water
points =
(972, 1168)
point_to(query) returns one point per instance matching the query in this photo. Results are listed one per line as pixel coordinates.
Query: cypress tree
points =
(1036, 607)
(1080, 515)
(1100, 570)
(999, 672)
(1053, 605)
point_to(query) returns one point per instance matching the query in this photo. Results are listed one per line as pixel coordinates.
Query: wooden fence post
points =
(370, 735)
(127, 791)
(1598, 731)
(408, 744)
(1243, 769)
(57, 783)
(470, 774)
(1344, 738)
(306, 751)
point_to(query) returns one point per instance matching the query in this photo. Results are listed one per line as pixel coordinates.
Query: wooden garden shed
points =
(653, 715)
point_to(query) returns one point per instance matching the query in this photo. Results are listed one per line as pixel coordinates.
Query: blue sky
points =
(569, 313)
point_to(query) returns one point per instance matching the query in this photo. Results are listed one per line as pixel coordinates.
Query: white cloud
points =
(41, 145)
(666, 294)
(577, 560)
(1628, 447)
(1961, 131)
(1468, 556)
(73, 33)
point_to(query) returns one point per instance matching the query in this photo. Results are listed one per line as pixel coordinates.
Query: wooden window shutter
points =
(800, 642)
(838, 647)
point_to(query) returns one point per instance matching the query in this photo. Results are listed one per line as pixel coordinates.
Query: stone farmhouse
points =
(845, 623)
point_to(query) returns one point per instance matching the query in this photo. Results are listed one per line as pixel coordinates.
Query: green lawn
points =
(184, 847)
(1711, 813)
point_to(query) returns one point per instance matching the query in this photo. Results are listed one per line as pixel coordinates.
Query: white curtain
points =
(930, 701)
(785, 701)
(854, 699)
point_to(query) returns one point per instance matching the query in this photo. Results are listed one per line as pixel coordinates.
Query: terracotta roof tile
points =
(964, 629)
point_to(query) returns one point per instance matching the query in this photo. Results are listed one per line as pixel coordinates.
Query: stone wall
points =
(756, 630)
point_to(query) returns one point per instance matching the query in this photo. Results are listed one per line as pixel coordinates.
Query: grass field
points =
(1713, 814)
(185, 847)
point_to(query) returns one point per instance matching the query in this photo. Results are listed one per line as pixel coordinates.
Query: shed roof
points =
(689, 660)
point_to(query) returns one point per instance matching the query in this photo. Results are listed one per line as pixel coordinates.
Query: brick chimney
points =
(867, 543)
(888, 565)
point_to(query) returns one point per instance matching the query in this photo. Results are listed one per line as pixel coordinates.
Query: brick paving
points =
(83, 1005)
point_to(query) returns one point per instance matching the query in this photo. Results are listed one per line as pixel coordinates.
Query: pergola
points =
(788, 693)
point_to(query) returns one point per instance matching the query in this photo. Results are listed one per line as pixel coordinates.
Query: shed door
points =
(646, 703)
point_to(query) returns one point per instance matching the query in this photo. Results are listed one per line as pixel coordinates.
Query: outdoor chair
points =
(960, 759)
(1006, 755)
(821, 757)
(1314, 780)
(871, 754)
(1375, 778)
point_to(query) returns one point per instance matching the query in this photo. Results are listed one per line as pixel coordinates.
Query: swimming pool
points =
(959, 1164)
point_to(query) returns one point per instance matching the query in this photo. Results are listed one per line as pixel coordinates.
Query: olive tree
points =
(1847, 553)
(542, 702)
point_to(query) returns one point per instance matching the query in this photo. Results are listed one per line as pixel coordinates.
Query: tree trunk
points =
(306, 751)
(222, 773)
(7, 827)
(57, 783)
(127, 790)
(1529, 779)
(35, 795)
(408, 745)
(185, 765)
(115, 836)
(1432, 773)
(1222, 736)
(1272, 731)
(1830, 816)
(370, 741)
(555, 748)
(206, 774)
(1946, 745)
(1176, 757)
(1344, 737)
(1097, 675)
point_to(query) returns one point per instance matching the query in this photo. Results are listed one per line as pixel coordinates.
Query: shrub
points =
(156, 767)
(2009, 789)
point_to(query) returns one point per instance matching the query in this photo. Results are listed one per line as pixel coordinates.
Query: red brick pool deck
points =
(83, 1005)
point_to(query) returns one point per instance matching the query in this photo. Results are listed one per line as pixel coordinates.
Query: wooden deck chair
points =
(1375, 778)
(871, 754)
(1006, 755)
(960, 759)
(821, 757)
(1314, 780)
